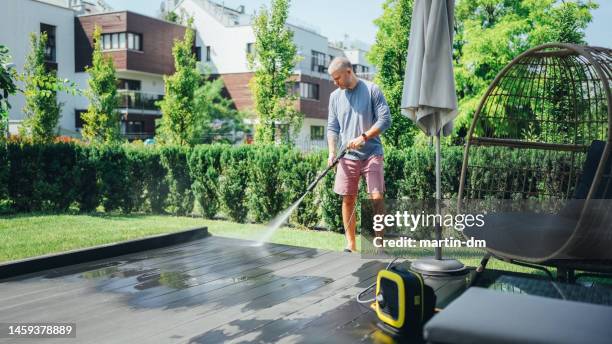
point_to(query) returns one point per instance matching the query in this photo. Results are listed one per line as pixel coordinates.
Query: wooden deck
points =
(208, 291)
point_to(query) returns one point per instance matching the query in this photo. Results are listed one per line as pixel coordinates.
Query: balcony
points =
(140, 102)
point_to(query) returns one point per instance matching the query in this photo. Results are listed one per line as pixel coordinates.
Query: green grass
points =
(29, 235)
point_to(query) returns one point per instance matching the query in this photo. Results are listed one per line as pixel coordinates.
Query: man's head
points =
(341, 71)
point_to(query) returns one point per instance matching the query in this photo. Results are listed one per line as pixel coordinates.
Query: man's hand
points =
(356, 143)
(330, 159)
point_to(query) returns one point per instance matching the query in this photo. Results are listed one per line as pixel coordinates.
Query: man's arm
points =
(382, 113)
(333, 131)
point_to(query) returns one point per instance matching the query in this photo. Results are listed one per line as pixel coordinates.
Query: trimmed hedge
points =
(243, 183)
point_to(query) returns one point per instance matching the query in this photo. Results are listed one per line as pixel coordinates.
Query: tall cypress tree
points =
(273, 60)
(41, 110)
(101, 121)
(179, 123)
(388, 54)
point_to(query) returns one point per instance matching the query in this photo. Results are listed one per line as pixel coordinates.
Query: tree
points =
(101, 121)
(179, 116)
(7, 88)
(168, 13)
(490, 33)
(388, 54)
(217, 119)
(41, 110)
(273, 60)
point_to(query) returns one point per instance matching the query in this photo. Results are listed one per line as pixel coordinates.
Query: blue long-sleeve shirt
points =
(353, 112)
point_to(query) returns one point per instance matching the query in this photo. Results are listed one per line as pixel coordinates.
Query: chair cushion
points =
(526, 235)
(486, 316)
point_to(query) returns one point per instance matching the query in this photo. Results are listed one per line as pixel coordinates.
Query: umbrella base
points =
(438, 267)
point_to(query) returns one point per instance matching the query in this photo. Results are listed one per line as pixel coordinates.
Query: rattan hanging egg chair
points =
(542, 133)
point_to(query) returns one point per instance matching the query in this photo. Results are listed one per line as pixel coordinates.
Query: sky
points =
(354, 18)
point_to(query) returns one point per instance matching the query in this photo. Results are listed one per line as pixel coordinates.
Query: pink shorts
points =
(349, 171)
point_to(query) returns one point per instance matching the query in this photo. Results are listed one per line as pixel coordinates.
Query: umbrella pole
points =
(438, 229)
(437, 266)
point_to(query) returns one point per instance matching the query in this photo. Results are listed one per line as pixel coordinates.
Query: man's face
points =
(342, 78)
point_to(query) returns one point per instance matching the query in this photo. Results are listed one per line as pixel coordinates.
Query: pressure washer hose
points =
(372, 286)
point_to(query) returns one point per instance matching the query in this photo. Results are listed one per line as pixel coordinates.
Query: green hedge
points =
(241, 183)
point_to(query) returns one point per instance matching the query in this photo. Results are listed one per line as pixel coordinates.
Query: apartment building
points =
(140, 46)
(225, 37)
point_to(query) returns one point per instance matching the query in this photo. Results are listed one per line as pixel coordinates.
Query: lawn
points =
(23, 236)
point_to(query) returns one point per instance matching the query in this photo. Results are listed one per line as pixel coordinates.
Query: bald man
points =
(358, 114)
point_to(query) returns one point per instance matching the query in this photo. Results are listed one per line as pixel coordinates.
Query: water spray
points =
(282, 217)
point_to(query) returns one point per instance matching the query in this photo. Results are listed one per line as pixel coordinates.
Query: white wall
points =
(303, 140)
(307, 41)
(149, 83)
(20, 17)
(228, 43)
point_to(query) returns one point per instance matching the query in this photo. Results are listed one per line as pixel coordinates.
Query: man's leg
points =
(378, 205)
(349, 220)
(374, 176)
(346, 184)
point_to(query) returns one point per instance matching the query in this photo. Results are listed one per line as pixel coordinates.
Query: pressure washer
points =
(403, 302)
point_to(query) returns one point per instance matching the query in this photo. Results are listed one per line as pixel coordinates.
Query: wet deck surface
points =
(208, 291)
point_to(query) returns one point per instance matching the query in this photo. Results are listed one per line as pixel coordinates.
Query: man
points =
(358, 114)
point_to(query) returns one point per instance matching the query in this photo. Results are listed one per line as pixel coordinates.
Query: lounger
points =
(543, 238)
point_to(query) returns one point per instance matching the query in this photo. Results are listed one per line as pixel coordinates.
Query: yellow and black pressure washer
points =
(402, 302)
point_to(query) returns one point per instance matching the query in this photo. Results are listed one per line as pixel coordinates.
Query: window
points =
(128, 84)
(138, 42)
(317, 132)
(249, 48)
(122, 44)
(130, 40)
(106, 42)
(198, 53)
(357, 68)
(51, 44)
(309, 91)
(318, 62)
(208, 53)
(136, 127)
(115, 41)
(78, 118)
(121, 40)
(331, 58)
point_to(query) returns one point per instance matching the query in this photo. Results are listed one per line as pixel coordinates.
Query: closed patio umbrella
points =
(429, 97)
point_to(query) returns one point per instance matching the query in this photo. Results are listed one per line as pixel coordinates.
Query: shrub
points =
(297, 172)
(113, 173)
(4, 177)
(87, 185)
(156, 186)
(56, 188)
(24, 176)
(180, 197)
(234, 182)
(266, 198)
(331, 204)
(204, 168)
